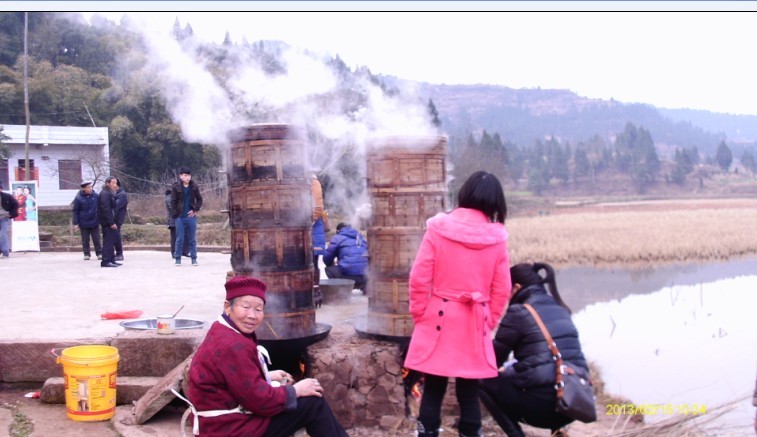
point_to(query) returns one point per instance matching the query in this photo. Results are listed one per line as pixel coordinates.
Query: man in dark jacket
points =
(351, 251)
(171, 224)
(122, 201)
(8, 211)
(86, 219)
(106, 207)
(186, 202)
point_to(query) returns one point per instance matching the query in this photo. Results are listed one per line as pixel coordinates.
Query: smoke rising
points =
(213, 89)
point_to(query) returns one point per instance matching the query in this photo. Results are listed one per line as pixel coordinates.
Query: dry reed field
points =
(637, 233)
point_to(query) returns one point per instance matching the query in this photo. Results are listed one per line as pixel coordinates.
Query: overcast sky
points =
(697, 60)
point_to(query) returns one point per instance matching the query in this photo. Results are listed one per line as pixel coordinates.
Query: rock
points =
(159, 396)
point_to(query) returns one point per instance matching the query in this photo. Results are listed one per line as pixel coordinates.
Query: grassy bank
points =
(637, 233)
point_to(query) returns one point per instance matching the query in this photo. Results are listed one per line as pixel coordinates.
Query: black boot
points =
(510, 427)
(466, 429)
(424, 432)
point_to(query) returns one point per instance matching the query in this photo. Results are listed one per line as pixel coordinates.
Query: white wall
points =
(90, 145)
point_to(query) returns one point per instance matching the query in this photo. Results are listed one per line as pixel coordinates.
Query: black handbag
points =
(575, 392)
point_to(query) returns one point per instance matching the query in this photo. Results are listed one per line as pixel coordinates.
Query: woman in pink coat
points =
(459, 288)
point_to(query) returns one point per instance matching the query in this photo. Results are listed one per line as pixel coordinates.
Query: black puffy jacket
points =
(518, 332)
(106, 208)
(10, 204)
(85, 211)
(122, 201)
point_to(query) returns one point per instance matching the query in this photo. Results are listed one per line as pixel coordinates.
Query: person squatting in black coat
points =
(524, 391)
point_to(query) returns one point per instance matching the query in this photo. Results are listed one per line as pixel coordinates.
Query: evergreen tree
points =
(516, 161)
(683, 166)
(635, 153)
(557, 160)
(581, 164)
(434, 115)
(538, 169)
(724, 156)
(747, 160)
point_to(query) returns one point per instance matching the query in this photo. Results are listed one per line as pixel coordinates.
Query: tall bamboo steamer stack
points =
(406, 177)
(271, 229)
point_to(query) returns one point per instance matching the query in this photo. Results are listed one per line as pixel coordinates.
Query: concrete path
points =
(59, 296)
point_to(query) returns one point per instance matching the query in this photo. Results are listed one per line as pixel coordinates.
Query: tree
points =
(516, 161)
(434, 115)
(724, 156)
(181, 34)
(684, 166)
(538, 169)
(747, 160)
(557, 160)
(635, 152)
(5, 151)
(581, 164)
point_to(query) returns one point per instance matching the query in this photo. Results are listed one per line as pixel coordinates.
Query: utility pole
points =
(27, 176)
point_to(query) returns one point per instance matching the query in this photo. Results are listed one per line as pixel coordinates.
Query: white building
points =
(60, 157)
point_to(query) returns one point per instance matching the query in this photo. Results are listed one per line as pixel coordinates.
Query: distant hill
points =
(738, 128)
(524, 115)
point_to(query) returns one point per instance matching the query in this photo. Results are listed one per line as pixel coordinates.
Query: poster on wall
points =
(25, 227)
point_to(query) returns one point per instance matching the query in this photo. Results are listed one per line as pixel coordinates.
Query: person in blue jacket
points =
(350, 250)
(87, 220)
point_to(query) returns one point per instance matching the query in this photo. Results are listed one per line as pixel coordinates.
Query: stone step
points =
(142, 353)
(128, 389)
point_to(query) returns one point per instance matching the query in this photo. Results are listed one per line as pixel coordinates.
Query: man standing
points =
(186, 202)
(122, 201)
(171, 224)
(8, 211)
(86, 219)
(107, 211)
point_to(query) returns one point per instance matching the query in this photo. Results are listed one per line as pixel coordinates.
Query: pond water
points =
(680, 335)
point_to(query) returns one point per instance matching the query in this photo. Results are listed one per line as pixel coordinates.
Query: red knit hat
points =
(245, 286)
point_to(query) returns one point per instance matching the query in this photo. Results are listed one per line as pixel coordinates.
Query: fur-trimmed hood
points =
(467, 226)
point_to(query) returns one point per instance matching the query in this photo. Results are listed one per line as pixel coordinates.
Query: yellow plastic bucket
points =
(89, 373)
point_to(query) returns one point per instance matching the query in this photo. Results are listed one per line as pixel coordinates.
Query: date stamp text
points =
(655, 409)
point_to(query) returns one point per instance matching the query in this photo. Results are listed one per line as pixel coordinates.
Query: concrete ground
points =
(59, 296)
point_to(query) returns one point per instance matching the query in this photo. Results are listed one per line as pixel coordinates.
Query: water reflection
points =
(582, 286)
(689, 341)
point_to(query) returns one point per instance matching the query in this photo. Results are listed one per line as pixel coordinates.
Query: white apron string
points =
(198, 414)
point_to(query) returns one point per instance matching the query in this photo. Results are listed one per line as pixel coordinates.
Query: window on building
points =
(4, 174)
(21, 171)
(69, 174)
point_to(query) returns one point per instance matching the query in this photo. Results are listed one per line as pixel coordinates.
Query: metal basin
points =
(153, 324)
(290, 346)
(336, 290)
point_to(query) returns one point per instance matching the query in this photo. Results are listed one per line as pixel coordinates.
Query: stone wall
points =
(362, 378)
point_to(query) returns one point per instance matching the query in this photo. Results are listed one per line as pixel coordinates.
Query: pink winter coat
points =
(459, 288)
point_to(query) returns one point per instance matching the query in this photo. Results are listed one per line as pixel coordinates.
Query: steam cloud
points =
(306, 92)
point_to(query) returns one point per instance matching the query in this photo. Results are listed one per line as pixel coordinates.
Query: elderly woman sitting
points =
(231, 390)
